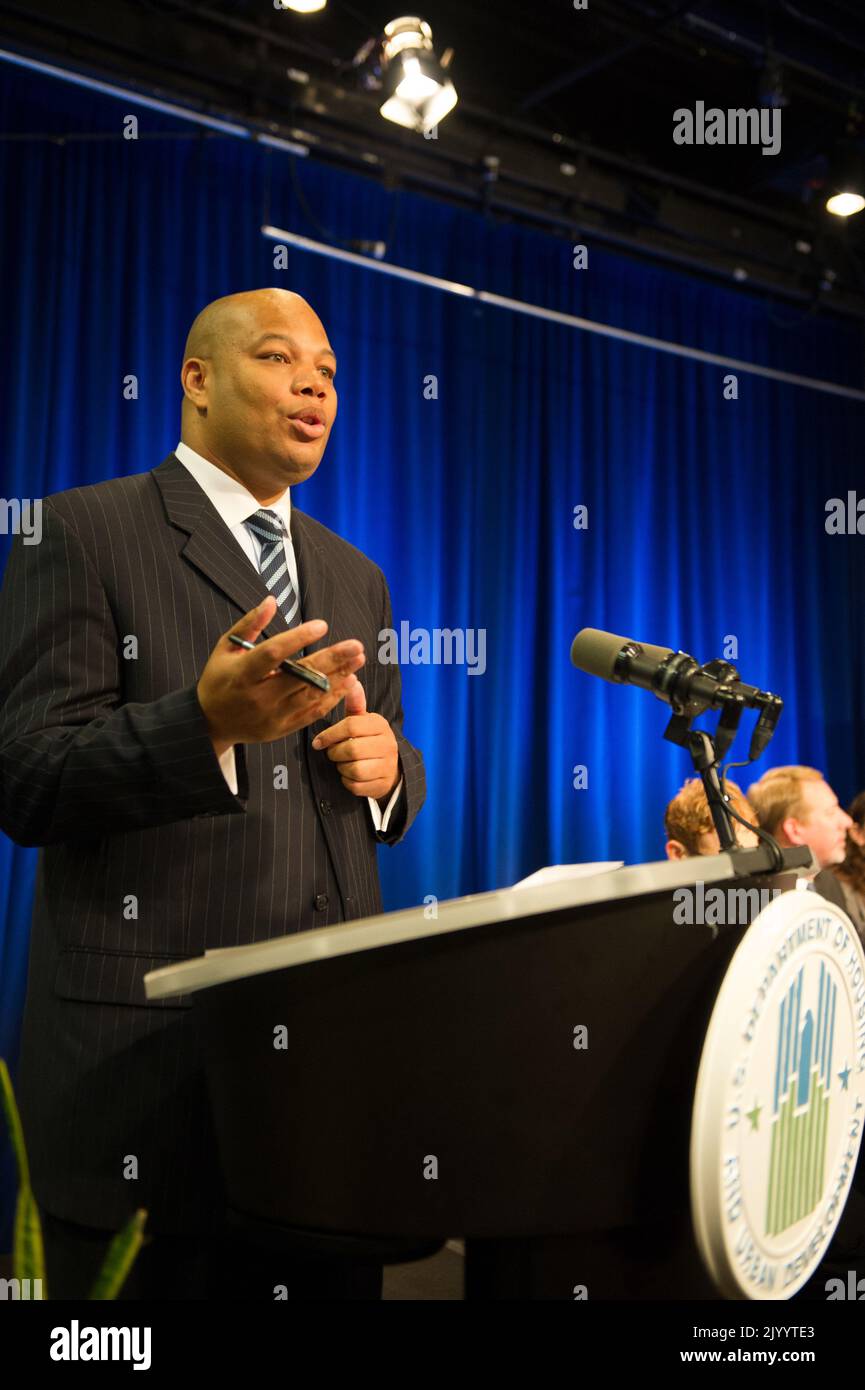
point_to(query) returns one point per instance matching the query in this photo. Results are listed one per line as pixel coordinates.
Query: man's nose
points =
(306, 383)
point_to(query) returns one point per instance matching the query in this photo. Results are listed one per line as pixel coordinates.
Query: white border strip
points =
(520, 306)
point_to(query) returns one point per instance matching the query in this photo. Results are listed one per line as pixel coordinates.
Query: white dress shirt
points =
(236, 505)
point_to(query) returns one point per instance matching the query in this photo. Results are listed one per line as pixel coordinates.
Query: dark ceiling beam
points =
(644, 35)
(742, 44)
(608, 199)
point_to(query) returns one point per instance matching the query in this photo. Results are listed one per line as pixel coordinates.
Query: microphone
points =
(690, 689)
(597, 653)
(673, 677)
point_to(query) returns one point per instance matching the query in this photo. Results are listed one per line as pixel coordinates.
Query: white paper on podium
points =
(560, 873)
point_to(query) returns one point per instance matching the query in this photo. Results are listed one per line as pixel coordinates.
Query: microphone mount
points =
(678, 682)
(689, 689)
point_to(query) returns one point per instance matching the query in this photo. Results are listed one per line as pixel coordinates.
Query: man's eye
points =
(328, 371)
(276, 354)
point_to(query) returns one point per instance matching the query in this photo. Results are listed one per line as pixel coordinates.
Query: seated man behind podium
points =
(851, 873)
(798, 807)
(689, 825)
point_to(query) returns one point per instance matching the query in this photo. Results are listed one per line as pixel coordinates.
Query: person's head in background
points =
(689, 825)
(852, 869)
(798, 807)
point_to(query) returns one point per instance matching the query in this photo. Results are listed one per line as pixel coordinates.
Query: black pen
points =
(292, 668)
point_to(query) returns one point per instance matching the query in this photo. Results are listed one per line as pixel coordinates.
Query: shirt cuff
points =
(229, 769)
(380, 821)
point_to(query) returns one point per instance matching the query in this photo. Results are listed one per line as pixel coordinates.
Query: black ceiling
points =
(540, 87)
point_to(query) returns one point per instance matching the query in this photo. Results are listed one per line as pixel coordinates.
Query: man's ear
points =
(193, 379)
(676, 850)
(790, 832)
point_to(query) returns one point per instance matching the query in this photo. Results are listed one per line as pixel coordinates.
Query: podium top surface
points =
(461, 914)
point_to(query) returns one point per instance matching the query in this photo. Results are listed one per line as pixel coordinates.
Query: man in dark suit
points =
(173, 781)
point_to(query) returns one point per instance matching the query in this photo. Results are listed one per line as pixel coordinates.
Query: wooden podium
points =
(517, 1069)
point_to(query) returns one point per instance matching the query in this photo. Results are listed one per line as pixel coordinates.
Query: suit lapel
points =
(213, 550)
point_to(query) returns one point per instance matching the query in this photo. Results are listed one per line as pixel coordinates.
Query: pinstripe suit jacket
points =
(147, 856)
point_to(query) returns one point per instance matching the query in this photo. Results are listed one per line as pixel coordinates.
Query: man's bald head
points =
(227, 318)
(253, 364)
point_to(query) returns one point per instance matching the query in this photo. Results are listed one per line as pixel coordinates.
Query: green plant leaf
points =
(28, 1253)
(13, 1122)
(120, 1257)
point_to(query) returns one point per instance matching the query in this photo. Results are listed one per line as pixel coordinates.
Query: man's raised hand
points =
(363, 748)
(245, 699)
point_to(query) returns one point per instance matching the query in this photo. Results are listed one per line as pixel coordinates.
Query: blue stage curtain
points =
(705, 515)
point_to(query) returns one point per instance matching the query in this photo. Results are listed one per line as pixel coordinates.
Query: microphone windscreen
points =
(595, 652)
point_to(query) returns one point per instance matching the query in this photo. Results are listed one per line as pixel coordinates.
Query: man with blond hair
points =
(798, 807)
(689, 825)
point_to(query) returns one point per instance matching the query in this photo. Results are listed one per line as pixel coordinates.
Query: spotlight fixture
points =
(845, 204)
(301, 6)
(417, 91)
(846, 189)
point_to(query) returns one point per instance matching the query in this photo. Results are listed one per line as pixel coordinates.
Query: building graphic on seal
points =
(803, 1072)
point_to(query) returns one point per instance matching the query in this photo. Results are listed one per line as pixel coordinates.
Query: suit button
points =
(325, 807)
(321, 901)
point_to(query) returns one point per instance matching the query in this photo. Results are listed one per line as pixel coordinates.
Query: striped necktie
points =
(268, 528)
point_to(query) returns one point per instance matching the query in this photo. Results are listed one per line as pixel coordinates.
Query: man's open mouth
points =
(308, 424)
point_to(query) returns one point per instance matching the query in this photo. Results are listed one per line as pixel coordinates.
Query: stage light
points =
(417, 90)
(846, 187)
(845, 204)
(302, 6)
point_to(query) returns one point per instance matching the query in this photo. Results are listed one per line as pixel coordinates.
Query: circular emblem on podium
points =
(780, 1099)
